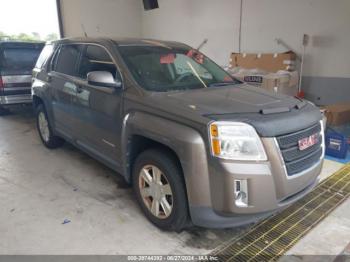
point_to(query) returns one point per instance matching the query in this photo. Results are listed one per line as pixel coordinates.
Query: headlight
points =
(236, 141)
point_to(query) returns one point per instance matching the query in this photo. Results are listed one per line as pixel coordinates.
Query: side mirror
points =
(103, 79)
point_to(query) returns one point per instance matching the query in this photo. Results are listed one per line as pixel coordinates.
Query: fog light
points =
(241, 193)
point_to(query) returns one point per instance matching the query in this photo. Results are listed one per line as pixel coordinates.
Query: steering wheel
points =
(182, 77)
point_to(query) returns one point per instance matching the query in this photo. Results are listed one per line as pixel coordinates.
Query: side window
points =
(96, 58)
(66, 60)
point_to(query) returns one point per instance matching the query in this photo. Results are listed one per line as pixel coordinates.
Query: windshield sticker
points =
(167, 59)
(196, 56)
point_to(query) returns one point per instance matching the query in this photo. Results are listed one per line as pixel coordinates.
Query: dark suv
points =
(198, 146)
(17, 60)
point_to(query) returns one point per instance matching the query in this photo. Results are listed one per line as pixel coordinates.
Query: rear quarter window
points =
(19, 60)
(45, 54)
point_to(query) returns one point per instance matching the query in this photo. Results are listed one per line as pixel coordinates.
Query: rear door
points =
(62, 79)
(97, 110)
(17, 62)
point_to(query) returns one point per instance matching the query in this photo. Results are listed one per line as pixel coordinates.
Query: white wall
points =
(191, 21)
(327, 61)
(102, 17)
(327, 22)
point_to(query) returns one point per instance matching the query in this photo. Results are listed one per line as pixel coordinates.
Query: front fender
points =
(186, 142)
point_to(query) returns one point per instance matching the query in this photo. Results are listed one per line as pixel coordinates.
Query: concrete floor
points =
(40, 188)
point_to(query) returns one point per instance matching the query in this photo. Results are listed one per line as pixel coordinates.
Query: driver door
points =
(98, 116)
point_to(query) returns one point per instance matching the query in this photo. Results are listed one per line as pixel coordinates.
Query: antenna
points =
(202, 44)
(84, 31)
(305, 43)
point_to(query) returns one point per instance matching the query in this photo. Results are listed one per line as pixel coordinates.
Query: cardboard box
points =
(338, 114)
(268, 62)
(283, 82)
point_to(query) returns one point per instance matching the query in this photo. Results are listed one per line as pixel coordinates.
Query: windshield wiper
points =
(222, 84)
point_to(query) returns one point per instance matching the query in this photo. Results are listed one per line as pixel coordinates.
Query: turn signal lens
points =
(216, 147)
(214, 131)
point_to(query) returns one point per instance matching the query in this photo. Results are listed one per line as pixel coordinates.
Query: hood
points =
(270, 113)
(233, 100)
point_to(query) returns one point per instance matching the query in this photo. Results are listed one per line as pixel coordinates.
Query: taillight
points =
(1, 83)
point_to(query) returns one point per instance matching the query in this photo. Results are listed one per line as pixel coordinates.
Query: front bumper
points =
(269, 189)
(16, 99)
(209, 218)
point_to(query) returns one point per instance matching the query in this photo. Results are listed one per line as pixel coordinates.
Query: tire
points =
(44, 129)
(171, 177)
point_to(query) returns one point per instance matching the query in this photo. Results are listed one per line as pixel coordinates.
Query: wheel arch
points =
(140, 143)
(37, 100)
(41, 97)
(141, 131)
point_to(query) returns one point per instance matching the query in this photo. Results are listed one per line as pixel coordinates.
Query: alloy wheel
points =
(155, 191)
(44, 126)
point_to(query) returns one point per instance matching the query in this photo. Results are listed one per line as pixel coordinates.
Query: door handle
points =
(79, 89)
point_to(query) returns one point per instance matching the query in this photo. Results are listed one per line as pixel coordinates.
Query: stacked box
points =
(338, 114)
(266, 62)
(273, 72)
(284, 82)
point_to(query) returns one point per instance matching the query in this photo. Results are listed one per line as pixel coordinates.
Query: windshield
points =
(19, 59)
(163, 68)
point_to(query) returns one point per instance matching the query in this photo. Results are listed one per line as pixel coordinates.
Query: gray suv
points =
(198, 146)
(17, 60)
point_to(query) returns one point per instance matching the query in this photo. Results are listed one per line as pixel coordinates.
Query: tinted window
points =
(66, 61)
(45, 54)
(96, 58)
(19, 59)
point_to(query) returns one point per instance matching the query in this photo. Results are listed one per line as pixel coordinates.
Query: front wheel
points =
(160, 190)
(45, 131)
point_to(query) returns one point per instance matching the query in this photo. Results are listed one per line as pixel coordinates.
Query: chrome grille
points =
(293, 153)
(297, 160)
